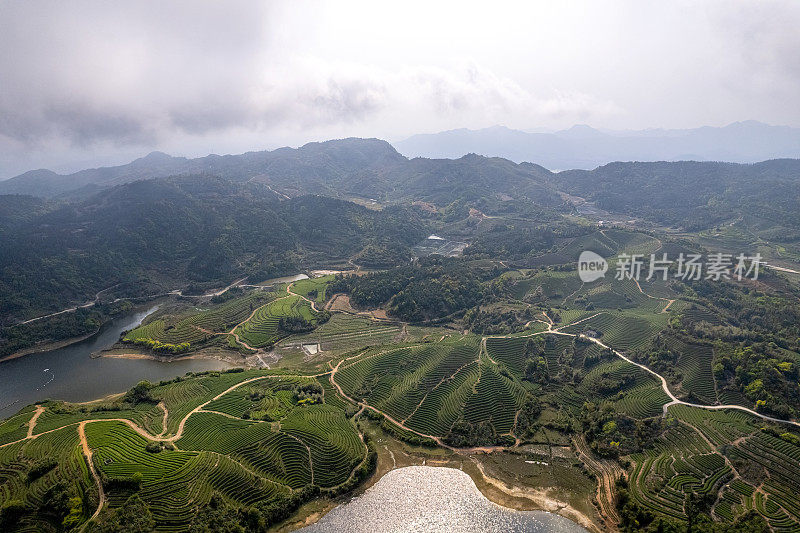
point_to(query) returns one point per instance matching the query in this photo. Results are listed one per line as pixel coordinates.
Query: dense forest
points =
(149, 237)
(251, 214)
(429, 289)
(695, 195)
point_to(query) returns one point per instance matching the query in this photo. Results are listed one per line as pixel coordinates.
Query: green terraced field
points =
(430, 387)
(682, 460)
(245, 461)
(62, 448)
(196, 327)
(695, 362)
(508, 350)
(344, 333)
(555, 286)
(624, 330)
(315, 286)
(631, 242)
(643, 401)
(261, 329)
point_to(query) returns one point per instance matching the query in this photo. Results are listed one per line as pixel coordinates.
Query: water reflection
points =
(436, 500)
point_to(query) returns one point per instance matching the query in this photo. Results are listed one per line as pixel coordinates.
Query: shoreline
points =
(525, 498)
(63, 343)
(538, 497)
(394, 454)
(48, 347)
(111, 353)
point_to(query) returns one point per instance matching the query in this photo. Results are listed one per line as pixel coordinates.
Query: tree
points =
(10, 513)
(133, 517)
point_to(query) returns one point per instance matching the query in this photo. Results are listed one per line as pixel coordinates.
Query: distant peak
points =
(581, 131)
(155, 156)
(498, 127)
(39, 173)
(747, 124)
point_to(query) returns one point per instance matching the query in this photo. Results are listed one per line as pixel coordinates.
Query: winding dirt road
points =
(607, 473)
(34, 418)
(313, 304)
(669, 301)
(87, 452)
(673, 398)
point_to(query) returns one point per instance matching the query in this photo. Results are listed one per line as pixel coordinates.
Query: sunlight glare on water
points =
(435, 500)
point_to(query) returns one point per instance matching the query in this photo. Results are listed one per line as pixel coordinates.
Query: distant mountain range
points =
(583, 147)
(344, 168)
(306, 167)
(162, 222)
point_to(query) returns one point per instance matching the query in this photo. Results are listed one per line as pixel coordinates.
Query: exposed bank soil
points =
(34, 418)
(393, 454)
(340, 302)
(607, 473)
(47, 347)
(234, 359)
(525, 498)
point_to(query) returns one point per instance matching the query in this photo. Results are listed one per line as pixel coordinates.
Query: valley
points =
(617, 403)
(362, 267)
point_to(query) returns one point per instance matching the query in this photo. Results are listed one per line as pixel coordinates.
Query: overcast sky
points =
(88, 83)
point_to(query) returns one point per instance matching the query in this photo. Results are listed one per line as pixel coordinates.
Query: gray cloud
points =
(84, 78)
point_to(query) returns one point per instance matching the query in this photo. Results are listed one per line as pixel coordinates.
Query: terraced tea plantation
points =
(759, 471)
(262, 327)
(670, 403)
(198, 326)
(245, 323)
(248, 437)
(344, 333)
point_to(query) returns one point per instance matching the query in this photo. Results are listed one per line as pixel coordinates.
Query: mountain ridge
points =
(583, 147)
(340, 156)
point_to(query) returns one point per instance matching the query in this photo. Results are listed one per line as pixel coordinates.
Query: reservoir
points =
(71, 374)
(435, 500)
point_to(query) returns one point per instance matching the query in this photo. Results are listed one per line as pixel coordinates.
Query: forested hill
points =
(155, 235)
(690, 194)
(310, 166)
(696, 195)
(268, 213)
(355, 167)
(257, 214)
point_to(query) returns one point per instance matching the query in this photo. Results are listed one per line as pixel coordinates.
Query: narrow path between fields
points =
(34, 418)
(313, 304)
(607, 473)
(439, 441)
(164, 420)
(669, 301)
(87, 452)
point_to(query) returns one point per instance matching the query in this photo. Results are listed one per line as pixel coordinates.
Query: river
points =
(435, 500)
(71, 374)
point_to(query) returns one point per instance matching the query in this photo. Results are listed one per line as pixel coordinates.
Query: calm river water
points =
(71, 374)
(435, 500)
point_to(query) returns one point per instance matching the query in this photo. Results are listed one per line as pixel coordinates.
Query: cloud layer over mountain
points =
(99, 82)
